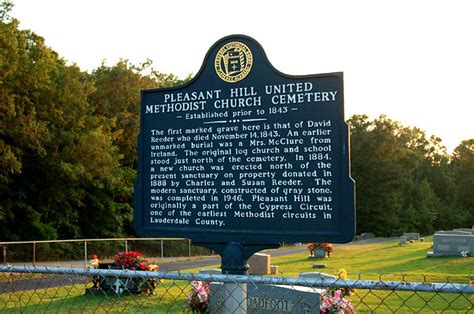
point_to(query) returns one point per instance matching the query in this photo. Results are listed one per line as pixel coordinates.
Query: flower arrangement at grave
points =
(94, 264)
(148, 285)
(131, 260)
(334, 301)
(342, 274)
(134, 260)
(198, 299)
(327, 247)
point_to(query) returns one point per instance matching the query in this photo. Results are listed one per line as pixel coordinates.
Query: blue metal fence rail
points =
(445, 287)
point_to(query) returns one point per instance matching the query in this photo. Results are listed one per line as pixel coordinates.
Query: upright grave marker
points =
(244, 157)
(457, 242)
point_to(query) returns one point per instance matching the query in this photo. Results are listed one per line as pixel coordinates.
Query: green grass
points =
(386, 261)
(170, 297)
(390, 262)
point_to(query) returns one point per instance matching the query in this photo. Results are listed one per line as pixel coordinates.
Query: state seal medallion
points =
(233, 62)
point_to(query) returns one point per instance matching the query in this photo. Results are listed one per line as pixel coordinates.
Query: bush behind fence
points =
(40, 289)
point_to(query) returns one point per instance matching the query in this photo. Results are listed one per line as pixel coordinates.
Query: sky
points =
(411, 60)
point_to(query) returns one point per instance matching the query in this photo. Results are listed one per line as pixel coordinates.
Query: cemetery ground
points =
(385, 261)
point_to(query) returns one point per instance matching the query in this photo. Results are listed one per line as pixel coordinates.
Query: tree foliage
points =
(463, 175)
(117, 95)
(404, 179)
(67, 141)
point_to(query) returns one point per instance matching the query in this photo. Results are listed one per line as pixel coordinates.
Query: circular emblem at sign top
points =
(233, 62)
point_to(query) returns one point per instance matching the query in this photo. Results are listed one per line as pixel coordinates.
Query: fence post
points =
(234, 257)
(5, 254)
(85, 254)
(189, 248)
(234, 262)
(34, 253)
(126, 245)
(162, 255)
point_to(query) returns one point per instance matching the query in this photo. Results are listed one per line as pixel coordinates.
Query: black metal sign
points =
(244, 153)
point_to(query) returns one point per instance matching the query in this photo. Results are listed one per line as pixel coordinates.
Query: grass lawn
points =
(389, 261)
(170, 297)
(386, 261)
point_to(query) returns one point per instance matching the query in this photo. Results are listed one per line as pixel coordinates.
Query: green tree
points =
(392, 166)
(58, 161)
(117, 96)
(463, 172)
(21, 132)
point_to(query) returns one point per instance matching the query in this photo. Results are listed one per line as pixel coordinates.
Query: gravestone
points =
(471, 231)
(403, 240)
(452, 245)
(316, 275)
(259, 264)
(274, 269)
(211, 271)
(458, 232)
(412, 235)
(263, 299)
(318, 253)
(367, 236)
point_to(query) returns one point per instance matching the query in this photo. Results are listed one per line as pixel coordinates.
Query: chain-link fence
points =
(76, 249)
(40, 289)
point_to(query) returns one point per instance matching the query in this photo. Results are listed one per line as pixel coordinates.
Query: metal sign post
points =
(234, 258)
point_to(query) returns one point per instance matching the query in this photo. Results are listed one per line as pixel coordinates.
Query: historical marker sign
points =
(244, 153)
